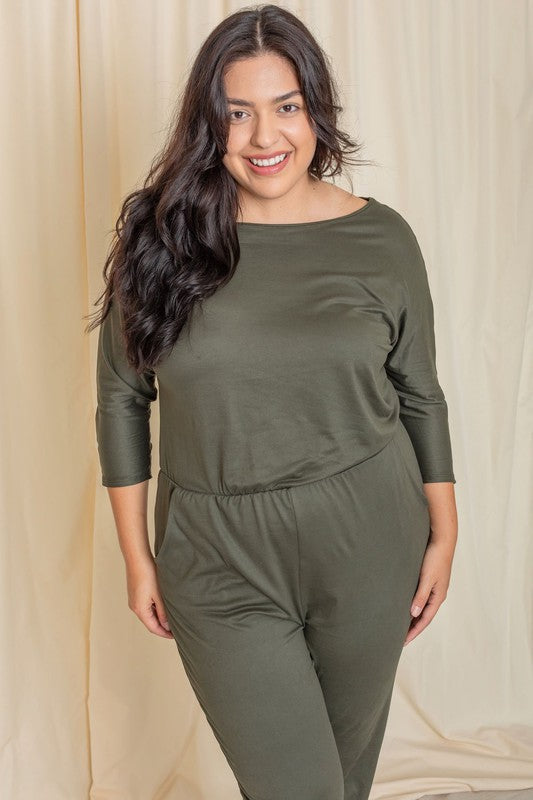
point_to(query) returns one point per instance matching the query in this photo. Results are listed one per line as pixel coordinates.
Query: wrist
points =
(447, 537)
(138, 560)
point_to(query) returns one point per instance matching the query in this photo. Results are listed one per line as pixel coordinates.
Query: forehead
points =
(261, 79)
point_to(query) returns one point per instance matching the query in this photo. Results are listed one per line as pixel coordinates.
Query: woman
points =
(305, 498)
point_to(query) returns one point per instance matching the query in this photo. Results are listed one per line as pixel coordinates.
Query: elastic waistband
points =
(289, 487)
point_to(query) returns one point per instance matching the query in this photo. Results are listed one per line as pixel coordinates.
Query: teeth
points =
(268, 162)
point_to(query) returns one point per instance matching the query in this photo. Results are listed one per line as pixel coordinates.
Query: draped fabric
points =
(439, 91)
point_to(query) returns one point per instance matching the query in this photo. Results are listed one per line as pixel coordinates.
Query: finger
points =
(161, 613)
(413, 632)
(422, 621)
(421, 597)
(150, 620)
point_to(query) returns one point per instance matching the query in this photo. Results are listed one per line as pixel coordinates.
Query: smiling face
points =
(267, 119)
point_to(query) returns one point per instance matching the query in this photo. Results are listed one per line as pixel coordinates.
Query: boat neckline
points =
(311, 223)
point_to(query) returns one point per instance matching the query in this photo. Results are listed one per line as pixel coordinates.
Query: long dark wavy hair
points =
(175, 241)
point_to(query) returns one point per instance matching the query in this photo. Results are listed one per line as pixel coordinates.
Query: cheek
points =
(234, 165)
(231, 157)
(230, 164)
(301, 135)
(236, 141)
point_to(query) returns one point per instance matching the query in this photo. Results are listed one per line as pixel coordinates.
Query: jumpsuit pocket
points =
(162, 515)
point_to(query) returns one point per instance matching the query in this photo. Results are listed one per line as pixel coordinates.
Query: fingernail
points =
(415, 611)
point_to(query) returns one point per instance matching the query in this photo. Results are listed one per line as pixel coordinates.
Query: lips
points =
(259, 156)
(269, 170)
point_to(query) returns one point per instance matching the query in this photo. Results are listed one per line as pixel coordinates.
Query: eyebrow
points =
(238, 102)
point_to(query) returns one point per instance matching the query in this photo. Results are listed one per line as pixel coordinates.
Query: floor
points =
(521, 794)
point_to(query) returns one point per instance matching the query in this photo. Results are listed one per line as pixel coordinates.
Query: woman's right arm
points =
(123, 408)
(122, 422)
(129, 504)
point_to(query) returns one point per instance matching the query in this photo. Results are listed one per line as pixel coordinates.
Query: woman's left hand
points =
(432, 585)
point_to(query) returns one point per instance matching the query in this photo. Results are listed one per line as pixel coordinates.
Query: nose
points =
(265, 132)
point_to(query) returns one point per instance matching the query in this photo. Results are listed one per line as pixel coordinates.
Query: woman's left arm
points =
(412, 368)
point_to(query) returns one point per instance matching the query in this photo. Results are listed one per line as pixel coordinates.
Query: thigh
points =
(245, 653)
(363, 535)
(266, 708)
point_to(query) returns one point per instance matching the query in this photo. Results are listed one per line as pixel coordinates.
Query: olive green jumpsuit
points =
(299, 418)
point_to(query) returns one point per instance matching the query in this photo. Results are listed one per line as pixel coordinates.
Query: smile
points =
(268, 166)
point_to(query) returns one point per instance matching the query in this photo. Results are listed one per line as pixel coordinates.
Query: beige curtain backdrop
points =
(440, 92)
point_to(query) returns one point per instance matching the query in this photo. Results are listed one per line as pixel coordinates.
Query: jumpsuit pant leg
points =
(289, 608)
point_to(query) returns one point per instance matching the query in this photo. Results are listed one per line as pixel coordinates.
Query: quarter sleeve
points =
(122, 416)
(411, 367)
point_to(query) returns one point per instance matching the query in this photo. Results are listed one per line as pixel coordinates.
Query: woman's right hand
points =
(144, 596)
